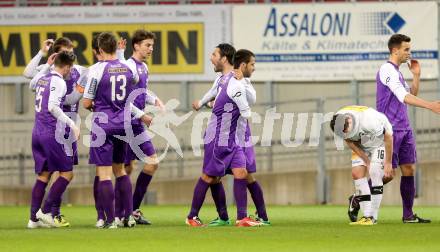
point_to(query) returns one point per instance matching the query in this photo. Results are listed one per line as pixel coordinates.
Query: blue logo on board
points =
(381, 23)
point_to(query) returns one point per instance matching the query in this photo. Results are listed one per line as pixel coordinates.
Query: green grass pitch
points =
(294, 228)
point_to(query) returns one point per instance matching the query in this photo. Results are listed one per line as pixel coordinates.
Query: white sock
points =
(363, 189)
(376, 175)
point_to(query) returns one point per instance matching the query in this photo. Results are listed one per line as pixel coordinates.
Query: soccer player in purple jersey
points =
(49, 154)
(142, 43)
(75, 81)
(222, 58)
(392, 96)
(100, 219)
(108, 85)
(222, 152)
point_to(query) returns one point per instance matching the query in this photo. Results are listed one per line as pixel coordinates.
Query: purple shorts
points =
(251, 166)
(146, 147)
(217, 160)
(49, 155)
(112, 151)
(404, 148)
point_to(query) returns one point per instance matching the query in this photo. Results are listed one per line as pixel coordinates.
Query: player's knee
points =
(150, 169)
(240, 173)
(67, 175)
(208, 179)
(128, 169)
(250, 178)
(44, 177)
(408, 170)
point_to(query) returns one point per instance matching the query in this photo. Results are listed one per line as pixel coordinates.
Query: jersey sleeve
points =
(237, 92)
(43, 71)
(251, 94)
(82, 81)
(93, 78)
(120, 54)
(58, 90)
(31, 69)
(132, 66)
(389, 76)
(211, 94)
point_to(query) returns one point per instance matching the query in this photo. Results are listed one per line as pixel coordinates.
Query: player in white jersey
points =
(369, 135)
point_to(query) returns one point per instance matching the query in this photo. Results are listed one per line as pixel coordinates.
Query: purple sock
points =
(98, 205)
(407, 191)
(240, 195)
(119, 204)
(198, 197)
(219, 196)
(107, 198)
(37, 197)
(142, 183)
(258, 198)
(56, 207)
(126, 193)
(55, 192)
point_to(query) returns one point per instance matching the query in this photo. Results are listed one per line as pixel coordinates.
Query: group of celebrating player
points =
(104, 88)
(379, 141)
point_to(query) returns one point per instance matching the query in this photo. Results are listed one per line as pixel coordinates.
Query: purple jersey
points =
(390, 95)
(222, 150)
(109, 84)
(44, 120)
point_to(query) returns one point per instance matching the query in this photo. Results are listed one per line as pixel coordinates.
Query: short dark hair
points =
(333, 122)
(95, 43)
(141, 35)
(242, 56)
(228, 51)
(61, 42)
(396, 41)
(64, 59)
(107, 42)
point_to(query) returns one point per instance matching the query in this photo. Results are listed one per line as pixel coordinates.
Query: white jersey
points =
(369, 126)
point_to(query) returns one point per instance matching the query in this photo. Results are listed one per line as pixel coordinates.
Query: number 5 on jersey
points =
(38, 98)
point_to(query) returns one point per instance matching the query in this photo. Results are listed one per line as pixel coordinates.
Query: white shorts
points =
(376, 155)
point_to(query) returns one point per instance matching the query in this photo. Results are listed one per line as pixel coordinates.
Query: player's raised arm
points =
(31, 69)
(415, 69)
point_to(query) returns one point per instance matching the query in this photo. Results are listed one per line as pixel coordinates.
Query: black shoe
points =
(415, 219)
(139, 218)
(353, 208)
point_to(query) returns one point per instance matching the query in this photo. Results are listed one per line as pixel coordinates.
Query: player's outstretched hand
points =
(47, 44)
(414, 67)
(122, 43)
(76, 132)
(146, 119)
(195, 105)
(435, 107)
(238, 74)
(51, 58)
(388, 170)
